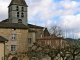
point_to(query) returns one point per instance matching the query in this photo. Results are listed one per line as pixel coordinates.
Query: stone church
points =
(19, 33)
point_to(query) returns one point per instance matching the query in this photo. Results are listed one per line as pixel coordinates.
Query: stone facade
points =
(17, 13)
(19, 40)
(2, 47)
(18, 32)
(54, 42)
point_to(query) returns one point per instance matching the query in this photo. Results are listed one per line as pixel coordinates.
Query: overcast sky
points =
(64, 13)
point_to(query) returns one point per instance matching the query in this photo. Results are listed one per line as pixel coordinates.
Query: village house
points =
(21, 35)
(2, 47)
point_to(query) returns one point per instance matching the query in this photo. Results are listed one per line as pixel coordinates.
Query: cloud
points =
(67, 11)
(71, 24)
(3, 9)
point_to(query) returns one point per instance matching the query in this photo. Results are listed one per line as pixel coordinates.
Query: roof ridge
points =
(18, 2)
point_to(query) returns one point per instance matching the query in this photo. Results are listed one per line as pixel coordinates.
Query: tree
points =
(52, 53)
(74, 51)
(74, 48)
(56, 30)
(35, 52)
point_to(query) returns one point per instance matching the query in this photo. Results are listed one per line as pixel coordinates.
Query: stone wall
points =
(20, 40)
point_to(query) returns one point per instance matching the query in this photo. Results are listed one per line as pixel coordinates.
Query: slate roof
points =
(2, 39)
(29, 25)
(12, 25)
(18, 2)
(51, 37)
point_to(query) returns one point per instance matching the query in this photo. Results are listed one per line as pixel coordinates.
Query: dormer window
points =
(17, 14)
(22, 8)
(17, 8)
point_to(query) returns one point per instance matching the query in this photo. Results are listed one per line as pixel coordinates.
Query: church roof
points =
(12, 25)
(18, 2)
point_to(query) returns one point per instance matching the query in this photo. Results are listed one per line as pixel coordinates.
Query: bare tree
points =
(35, 52)
(56, 30)
(74, 51)
(51, 52)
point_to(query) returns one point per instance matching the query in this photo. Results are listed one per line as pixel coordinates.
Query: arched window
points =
(17, 8)
(22, 8)
(17, 14)
(22, 14)
(19, 21)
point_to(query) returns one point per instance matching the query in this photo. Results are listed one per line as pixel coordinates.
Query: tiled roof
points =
(12, 25)
(18, 2)
(34, 26)
(52, 37)
(2, 39)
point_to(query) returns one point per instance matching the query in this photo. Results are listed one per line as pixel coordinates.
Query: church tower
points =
(17, 12)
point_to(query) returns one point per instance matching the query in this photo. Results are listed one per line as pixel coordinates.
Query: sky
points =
(63, 13)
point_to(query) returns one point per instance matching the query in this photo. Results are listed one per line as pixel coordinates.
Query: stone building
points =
(2, 47)
(19, 33)
(52, 41)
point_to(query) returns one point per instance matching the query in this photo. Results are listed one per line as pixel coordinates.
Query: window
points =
(29, 40)
(17, 8)
(13, 47)
(13, 36)
(22, 8)
(22, 14)
(17, 14)
(19, 21)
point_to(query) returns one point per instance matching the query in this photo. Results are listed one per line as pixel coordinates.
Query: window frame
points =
(17, 14)
(22, 8)
(17, 8)
(29, 40)
(13, 47)
(22, 14)
(13, 36)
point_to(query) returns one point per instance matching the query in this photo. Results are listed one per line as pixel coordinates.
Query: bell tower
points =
(17, 12)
